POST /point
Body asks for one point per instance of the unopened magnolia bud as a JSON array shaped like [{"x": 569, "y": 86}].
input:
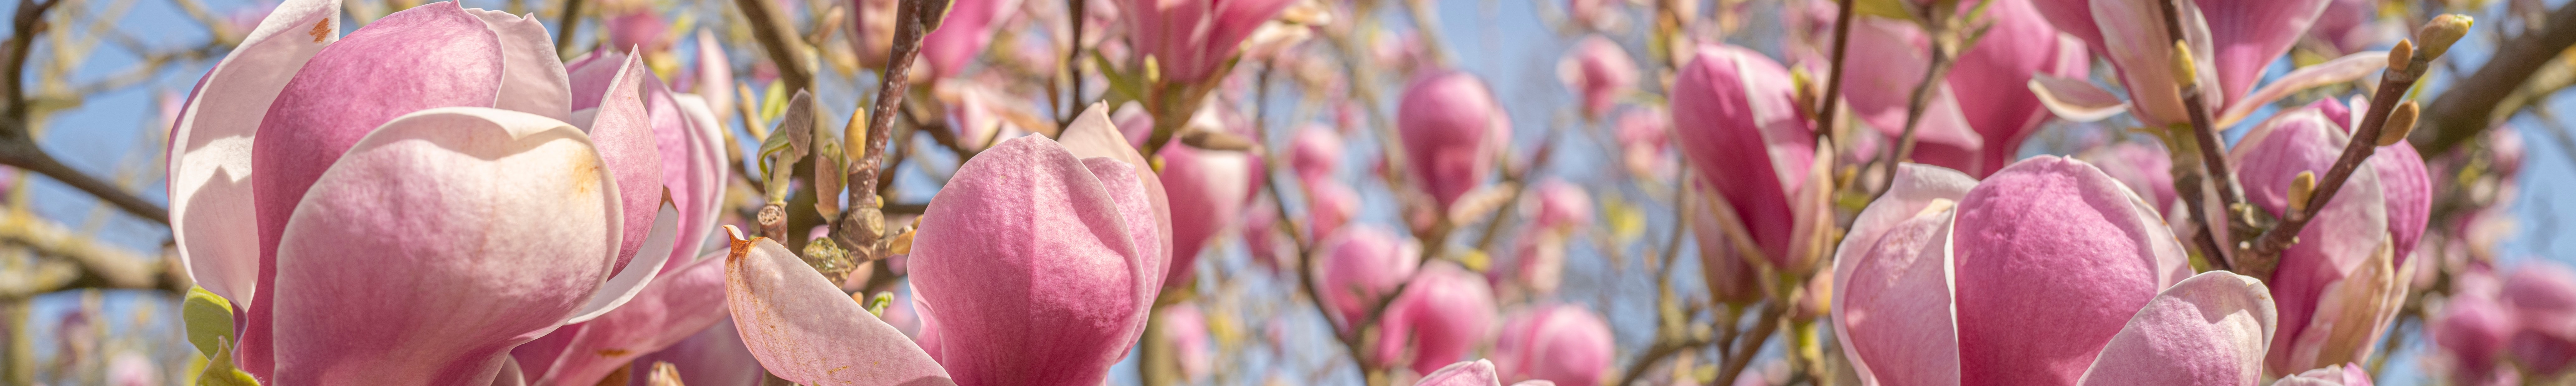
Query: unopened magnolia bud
[
  {"x": 2300, "y": 188},
  {"x": 2399, "y": 123},
  {"x": 2438, "y": 34},
  {"x": 2185, "y": 72},
  {"x": 2400, "y": 55}
]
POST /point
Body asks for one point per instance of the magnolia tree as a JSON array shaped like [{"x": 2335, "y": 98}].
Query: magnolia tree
[{"x": 1177, "y": 192}]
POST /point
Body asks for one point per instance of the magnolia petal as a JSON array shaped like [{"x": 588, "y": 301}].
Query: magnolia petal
[
  {"x": 2208, "y": 330},
  {"x": 1477, "y": 373},
  {"x": 509, "y": 375},
  {"x": 1893, "y": 307},
  {"x": 1207, "y": 189},
  {"x": 1890, "y": 64},
  {"x": 706, "y": 177},
  {"x": 2076, "y": 99},
  {"x": 713, "y": 357},
  {"x": 674, "y": 307},
  {"x": 715, "y": 77},
  {"x": 344, "y": 92},
  {"x": 2409, "y": 193},
  {"x": 2351, "y": 316},
  {"x": 2250, "y": 34},
  {"x": 2351, "y": 227},
  {"x": 2138, "y": 46},
  {"x": 532, "y": 77},
  {"x": 624, "y": 131},
  {"x": 1992, "y": 79},
  {"x": 2059, "y": 232},
  {"x": 1092, "y": 135},
  {"x": 210, "y": 146},
  {"x": 512, "y": 218},
  {"x": 1025, "y": 238},
  {"x": 2340, "y": 70},
  {"x": 804, "y": 330},
  {"x": 1730, "y": 122},
  {"x": 639, "y": 273}
]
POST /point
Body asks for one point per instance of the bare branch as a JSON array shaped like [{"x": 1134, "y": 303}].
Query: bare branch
[{"x": 2469, "y": 106}]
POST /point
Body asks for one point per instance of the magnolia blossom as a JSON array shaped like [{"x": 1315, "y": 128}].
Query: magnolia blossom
[
  {"x": 1072, "y": 229},
  {"x": 1362, "y": 265},
  {"x": 1982, "y": 109},
  {"x": 966, "y": 30},
  {"x": 2230, "y": 42},
  {"x": 1443, "y": 312},
  {"x": 389, "y": 159},
  {"x": 2471, "y": 329},
  {"x": 1555, "y": 211},
  {"x": 2339, "y": 287},
  {"x": 1599, "y": 70},
  {"x": 1452, "y": 131},
  {"x": 1189, "y": 40},
  {"x": 1315, "y": 153},
  {"x": 1741, "y": 128},
  {"x": 1644, "y": 142},
  {"x": 2542, "y": 300},
  {"x": 2046, "y": 273},
  {"x": 1565, "y": 344},
  {"x": 1207, "y": 190},
  {"x": 2335, "y": 375}
]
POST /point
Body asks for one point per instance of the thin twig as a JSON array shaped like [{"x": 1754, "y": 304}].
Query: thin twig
[
  {"x": 1742, "y": 355},
  {"x": 565, "y": 27},
  {"x": 2468, "y": 106},
  {"x": 2393, "y": 84},
  {"x": 778, "y": 37},
  {"x": 2205, "y": 136},
  {"x": 1834, "y": 77}
]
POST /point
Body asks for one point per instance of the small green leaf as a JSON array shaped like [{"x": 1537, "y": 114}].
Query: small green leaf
[
  {"x": 877, "y": 305},
  {"x": 210, "y": 320}
]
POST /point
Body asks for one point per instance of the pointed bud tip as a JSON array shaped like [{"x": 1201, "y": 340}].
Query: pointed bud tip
[
  {"x": 2438, "y": 34},
  {"x": 2400, "y": 123},
  {"x": 2185, "y": 71},
  {"x": 2399, "y": 56}
]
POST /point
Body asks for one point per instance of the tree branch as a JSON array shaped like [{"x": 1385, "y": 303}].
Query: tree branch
[{"x": 2469, "y": 106}]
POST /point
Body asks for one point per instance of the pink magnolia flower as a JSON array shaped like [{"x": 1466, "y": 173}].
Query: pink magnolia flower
[
  {"x": 1330, "y": 205},
  {"x": 1442, "y": 313},
  {"x": 2333, "y": 375},
  {"x": 2337, "y": 288},
  {"x": 1315, "y": 153},
  {"x": 2046, "y": 273},
  {"x": 1452, "y": 130},
  {"x": 470, "y": 101},
  {"x": 1185, "y": 327},
  {"x": 2542, "y": 300},
  {"x": 2472, "y": 328},
  {"x": 1075, "y": 242},
  {"x": 1190, "y": 39},
  {"x": 1644, "y": 140},
  {"x": 1554, "y": 211},
  {"x": 1361, "y": 266},
  {"x": 962, "y": 35},
  {"x": 1207, "y": 188},
  {"x": 1472, "y": 373},
  {"x": 1983, "y": 108},
  {"x": 638, "y": 29},
  {"x": 872, "y": 30},
  {"x": 1564, "y": 344},
  {"x": 2231, "y": 41},
  {"x": 1599, "y": 70},
  {"x": 685, "y": 300},
  {"x": 1742, "y": 131}
]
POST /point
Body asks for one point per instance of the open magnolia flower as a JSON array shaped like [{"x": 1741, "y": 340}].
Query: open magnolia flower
[
  {"x": 1982, "y": 109},
  {"x": 2342, "y": 284},
  {"x": 1035, "y": 265},
  {"x": 2046, "y": 273},
  {"x": 424, "y": 186},
  {"x": 2230, "y": 42}
]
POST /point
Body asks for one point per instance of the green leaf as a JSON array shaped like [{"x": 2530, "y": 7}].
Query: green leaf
[{"x": 210, "y": 320}]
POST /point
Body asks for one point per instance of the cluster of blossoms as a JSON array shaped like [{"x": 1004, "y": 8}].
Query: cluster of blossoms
[{"x": 439, "y": 198}]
